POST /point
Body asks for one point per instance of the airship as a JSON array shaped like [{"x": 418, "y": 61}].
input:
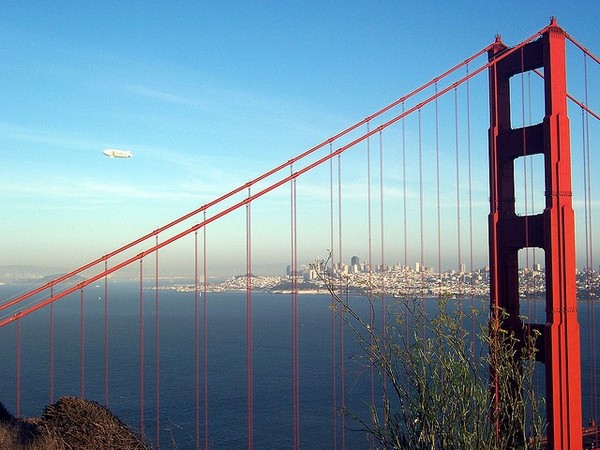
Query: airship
[{"x": 113, "y": 153}]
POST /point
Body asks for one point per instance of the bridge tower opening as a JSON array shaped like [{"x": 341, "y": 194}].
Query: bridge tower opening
[{"x": 553, "y": 229}]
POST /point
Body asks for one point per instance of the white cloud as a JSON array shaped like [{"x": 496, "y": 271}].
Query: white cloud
[
  {"x": 56, "y": 138},
  {"x": 161, "y": 95},
  {"x": 63, "y": 190}
]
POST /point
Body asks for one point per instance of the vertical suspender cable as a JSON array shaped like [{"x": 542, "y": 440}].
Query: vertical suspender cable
[
  {"x": 196, "y": 345},
  {"x": 437, "y": 167},
  {"x": 493, "y": 301},
  {"x": 460, "y": 264},
  {"x": 529, "y": 281},
  {"x": 532, "y": 179},
  {"x": 592, "y": 332},
  {"x": 294, "y": 300},
  {"x": 458, "y": 224},
  {"x": 470, "y": 176},
  {"x": 589, "y": 246},
  {"x": 18, "y": 370},
  {"x": 293, "y": 304},
  {"x": 157, "y": 347},
  {"x": 589, "y": 189},
  {"x": 333, "y": 304},
  {"x": 405, "y": 230},
  {"x": 205, "y": 334},
  {"x": 81, "y": 346},
  {"x": 532, "y": 203},
  {"x": 105, "y": 336},
  {"x": 470, "y": 172},
  {"x": 404, "y": 188},
  {"x": 250, "y": 394},
  {"x": 588, "y": 266},
  {"x": 370, "y": 279},
  {"x": 528, "y": 275},
  {"x": 293, "y": 286},
  {"x": 51, "y": 347},
  {"x": 382, "y": 229},
  {"x": 141, "y": 333},
  {"x": 297, "y": 327},
  {"x": 530, "y": 295},
  {"x": 421, "y": 221},
  {"x": 342, "y": 312},
  {"x": 530, "y": 291}
]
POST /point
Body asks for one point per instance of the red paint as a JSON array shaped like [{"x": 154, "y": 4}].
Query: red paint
[{"x": 553, "y": 230}]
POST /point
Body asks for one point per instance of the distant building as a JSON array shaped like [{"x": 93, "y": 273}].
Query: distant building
[{"x": 297, "y": 273}]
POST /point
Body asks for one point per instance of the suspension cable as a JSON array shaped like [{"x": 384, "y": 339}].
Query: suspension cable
[
  {"x": 342, "y": 310},
  {"x": 249, "y": 349},
  {"x": 384, "y": 333},
  {"x": 370, "y": 273},
  {"x": 196, "y": 344},
  {"x": 421, "y": 219},
  {"x": 81, "y": 346},
  {"x": 333, "y": 304},
  {"x": 51, "y": 349},
  {"x": 295, "y": 321},
  {"x": 437, "y": 176},
  {"x": 18, "y": 369},
  {"x": 157, "y": 346},
  {"x": 241, "y": 188},
  {"x": 106, "y": 337},
  {"x": 458, "y": 223},
  {"x": 141, "y": 337},
  {"x": 243, "y": 202},
  {"x": 205, "y": 333},
  {"x": 589, "y": 243}
]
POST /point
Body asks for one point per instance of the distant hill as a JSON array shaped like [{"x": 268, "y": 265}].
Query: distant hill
[{"x": 15, "y": 274}]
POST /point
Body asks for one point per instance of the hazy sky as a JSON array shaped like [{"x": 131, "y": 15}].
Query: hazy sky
[{"x": 206, "y": 95}]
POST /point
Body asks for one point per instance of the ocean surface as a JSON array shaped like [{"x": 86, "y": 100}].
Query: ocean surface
[{"x": 226, "y": 360}]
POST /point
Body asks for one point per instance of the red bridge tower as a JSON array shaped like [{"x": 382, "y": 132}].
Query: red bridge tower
[{"x": 553, "y": 230}]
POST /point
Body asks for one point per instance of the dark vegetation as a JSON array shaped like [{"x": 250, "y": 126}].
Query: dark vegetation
[{"x": 68, "y": 424}]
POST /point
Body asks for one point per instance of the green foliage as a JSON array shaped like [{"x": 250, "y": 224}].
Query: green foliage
[{"x": 454, "y": 380}]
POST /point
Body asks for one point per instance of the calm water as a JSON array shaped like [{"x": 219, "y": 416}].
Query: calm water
[
  {"x": 226, "y": 354},
  {"x": 227, "y": 394}
]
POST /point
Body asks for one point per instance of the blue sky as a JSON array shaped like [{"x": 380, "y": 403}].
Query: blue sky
[{"x": 206, "y": 95}]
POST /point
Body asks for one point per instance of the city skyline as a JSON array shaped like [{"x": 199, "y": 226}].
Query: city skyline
[{"x": 207, "y": 98}]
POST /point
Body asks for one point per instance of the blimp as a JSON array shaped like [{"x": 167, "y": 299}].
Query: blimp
[{"x": 113, "y": 153}]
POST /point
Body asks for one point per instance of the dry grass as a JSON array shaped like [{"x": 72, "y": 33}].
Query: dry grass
[{"x": 70, "y": 423}]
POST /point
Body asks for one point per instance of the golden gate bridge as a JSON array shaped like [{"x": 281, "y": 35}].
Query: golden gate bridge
[{"x": 402, "y": 186}]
